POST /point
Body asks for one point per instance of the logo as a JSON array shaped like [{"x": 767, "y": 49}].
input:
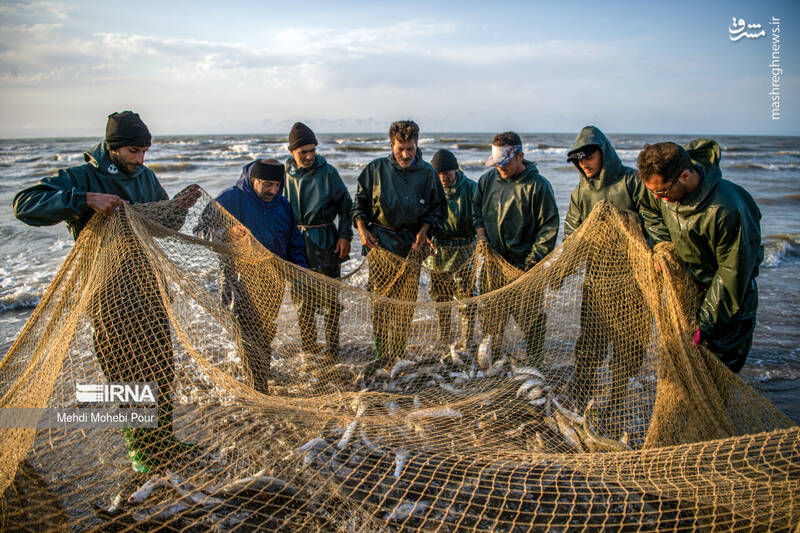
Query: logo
[
  {"x": 737, "y": 30},
  {"x": 116, "y": 393},
  {"x": 112, "y": 169}
]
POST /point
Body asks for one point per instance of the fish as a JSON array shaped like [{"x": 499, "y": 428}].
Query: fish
[
  {"x": 144, "y": 491},
  {"x": 368, "y": 443},
  {"x": 400, "y": 459},
  {"x": 455, "y": 357},
  {"x": 527, "y": 385},
  {"x": 185, "y": 489},
  {"x": 314, "y": 447},
  {"x": 348, "y": 434},
  {"x": 519, "y": 371},
  {"x": 497, "y": 368},
  {"x": 567, "y": 430},
  {"x": 450, "y": 389},
  {"x": 537, "y": 392},
  {"x": 595, "y": 442},
  {"x": 406, "y": 509},
  {"x": 435, "y": 412},
  {"x": 539, "y": 402},
  {"x": 380, "y": 374},
  {"x": 161, "y": 512},
  {"x": 485, "y": 353},
  {"x": 401, "y": 366}
]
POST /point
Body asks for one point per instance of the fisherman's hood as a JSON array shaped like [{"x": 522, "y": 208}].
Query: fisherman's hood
[
  {"x": 99, "y": 158},
  {"x": 246, "y": 186},
  {"x": 706, "y": 155},
  {"x": 612, "y": 165}
]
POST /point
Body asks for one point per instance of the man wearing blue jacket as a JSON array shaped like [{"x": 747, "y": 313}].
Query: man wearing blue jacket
[{"x": 254, "y": 291}]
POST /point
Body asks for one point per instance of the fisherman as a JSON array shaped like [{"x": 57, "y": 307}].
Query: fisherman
[
  {"x": 318, "y": 195},
  {"x": 131, "y": 332},
  {"x": 452, "y": 276},
  {"x": 515, "y": 211},
  {"x": 604, "y": 177},
  {"x": 254, "y": 290},
  {"x": 398, "y": 201},
  {"x": 715, "y": 227}
]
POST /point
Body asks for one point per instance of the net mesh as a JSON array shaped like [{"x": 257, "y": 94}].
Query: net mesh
[{"x": 563, "y": 398}]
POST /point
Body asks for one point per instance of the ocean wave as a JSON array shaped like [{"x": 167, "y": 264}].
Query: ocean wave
[
  {"x": 22, "y": 300},
  {"x": 789, "y": 199},
  {"x": 172, "y": 167},
  {"x": 794, "y": 153},
  {"x": 738, "y": 149},
  {"x": 780, "y": 248},
  {"x": 760, "y": 166},
  {"x": 360, "y": 148},
  {"x": 474, "y": 146}
]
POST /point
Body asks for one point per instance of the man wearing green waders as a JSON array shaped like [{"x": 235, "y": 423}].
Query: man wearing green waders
[
  {"x": 602, "y": 176},
  {"x": 399, "y": 200},
  {"x": 318, "y": 195},
  {"x": 131, "y": 334},
  {"x": 515, "y": 210},
  {"x": 715, "y": 226},
  {"x": 452, "y": 276}
]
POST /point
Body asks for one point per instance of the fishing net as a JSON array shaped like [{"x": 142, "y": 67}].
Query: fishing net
[{"x": 472, "y": 397}]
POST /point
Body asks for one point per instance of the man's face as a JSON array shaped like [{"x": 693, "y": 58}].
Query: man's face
[
  {"x": 669, "y": 191},
  {"x": 266, "y": 189},
  {"x": 448, "y": 178},
  {"x": 128, "y": 159},
  {"x": 514, "y": 167},
  {"x": 592, "y": 165},
  {"x": 404, "y": 152},
  {"x": 304, "y": 155}
]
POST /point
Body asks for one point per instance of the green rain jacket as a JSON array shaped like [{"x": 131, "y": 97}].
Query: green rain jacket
[
  {"x": 519, "y": 213},
  {"x": 317, "y": 195},
  {"x": 457, "y": 229},
  {"x": 63, "y": 197},
  {"x": 616, "y": 183},
  {"x": 716, "y": 231},
  {"x": 395, "y": 202}
]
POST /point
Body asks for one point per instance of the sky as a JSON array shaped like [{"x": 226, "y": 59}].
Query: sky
[{"x": 257, "y": 67}]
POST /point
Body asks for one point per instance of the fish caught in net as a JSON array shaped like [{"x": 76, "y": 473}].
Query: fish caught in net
[{"x": 568, "y": 397}]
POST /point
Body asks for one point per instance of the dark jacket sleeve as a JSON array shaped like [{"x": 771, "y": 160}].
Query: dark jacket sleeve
[
  {"x": 52, "y": 200},
  {"x": 546, "y": 213},
  {"x": 651, "y": 215},
  {"x": 737, "y": 256},
  {"x": 573, "y": 219},
  {"x": 296, "y": 251},
  {"x": 362, "y": 206},
  {"x": 477, "y": 205},
  {"x": 344, "y": 206}
]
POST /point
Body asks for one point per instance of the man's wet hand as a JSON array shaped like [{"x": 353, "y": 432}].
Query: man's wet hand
[
  {"x": 105, "y": 204},
  {"x": 188, "y": 196}
]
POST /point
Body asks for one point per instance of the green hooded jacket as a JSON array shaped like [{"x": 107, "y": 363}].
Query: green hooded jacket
[
  {"x": 616, "y": 183},
  {"x": 317, "y": 195},
  {"x": 457, "y": 229},
  {"x": 395, "y": 202},
  {"x": 519, "y": 214},
  {"x": 716, "y": 231},
  {"x": 63, "y": 197}
]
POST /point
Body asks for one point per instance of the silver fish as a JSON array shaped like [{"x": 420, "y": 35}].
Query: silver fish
[
  {"x": 435, "y": 412},
  {"x": 448, "y": 388},
  {"x": 401, "y": 366},
  {"x": 539, "y": 402},
  {"x": 536, "y": 393},
  {"x": 527, "y": 385},
  {"x": 144, "y": 491},
  {"x": 185, "y": 489},
  {"x": 348, "y": 434},
  {"x": 314, "y": 447},
  {"x": 527, "y": 370},
  {"x": 403, "y": 510},
  {"x": 455, "y": 357},
  {"x": 161, "y": 512},
  {"x": 400, "y": 459},
  {"x": 485, "y": 353}
]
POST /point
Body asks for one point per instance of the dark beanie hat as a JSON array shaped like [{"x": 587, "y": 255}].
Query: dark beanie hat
[
  {"x": 126, "y": 129},
  {"x": 301, "y": 135},
  {"x": 267, "y": 169},
  {"x": 444, "y": 160}
]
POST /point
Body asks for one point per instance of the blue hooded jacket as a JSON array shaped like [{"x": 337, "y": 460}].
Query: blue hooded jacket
[{"x": 272, "y": 223}]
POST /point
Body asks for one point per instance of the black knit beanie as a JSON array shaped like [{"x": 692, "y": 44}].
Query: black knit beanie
[
  {"x": 301, "y": 135},
  {"x": 126, "y": 129},
  {"x": 444, "y": 160},
  {"x": 267, "y": 169}
]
